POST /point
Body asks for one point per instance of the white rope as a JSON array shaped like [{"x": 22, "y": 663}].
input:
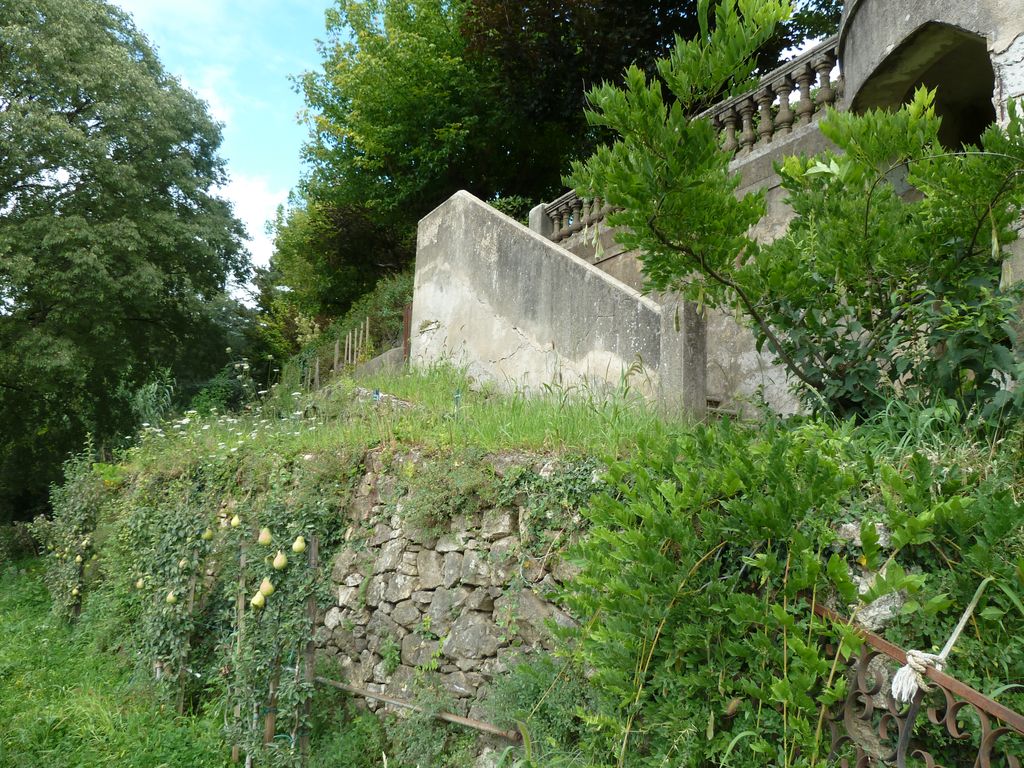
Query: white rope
[{"x": 910, "y": 678}]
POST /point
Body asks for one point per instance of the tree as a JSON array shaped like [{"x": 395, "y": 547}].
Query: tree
[
  {"x": 547, "y": 55},
  {"x": 112, "y": 243},
  {"x": 869, "y": 296}
]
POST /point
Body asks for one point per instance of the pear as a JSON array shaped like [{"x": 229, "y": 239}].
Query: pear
[
  {"x": 265, "y": 538},
  {"x": 207, "y": 534},
  {"x": 182, "y": 563},
  {"x": 74, "y": 592},
  {"x": 236, "y": 521},
  {"x": 258, "y": 601},
  {"x": 266, "y": 588},
  {"x": 171, "y": 598},
  {"x": 78, "y": 558},
  {"x": 281, "y": 561},
  {"x": 139, "y": 584},
  {"x": 299, "y": 545}
]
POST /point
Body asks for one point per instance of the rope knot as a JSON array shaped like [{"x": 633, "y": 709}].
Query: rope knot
[{"x": 909, "y": 679}]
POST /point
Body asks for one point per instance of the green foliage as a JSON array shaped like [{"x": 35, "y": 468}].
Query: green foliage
[
  {"x": 358, "y": 741},
  {"x": 16, "y": 543},
  {"x": 702, "y": 567},
  {"x": 385, "y": 308},
  {"x": 887, "y": 283},
  {"x": 112, "y": 245},
  {"x": 446, "y": 487},
  {"x": 68, "y": 535},
  {"x": 63, "y": 702},
  {"x": 418, "y": 739},
  {"x": 543, "y": 697}
]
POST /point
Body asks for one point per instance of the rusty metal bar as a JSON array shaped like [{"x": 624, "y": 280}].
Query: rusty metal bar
[
  {"x": 1013, "y": 719},
  {"x": 448, "y": 717}
]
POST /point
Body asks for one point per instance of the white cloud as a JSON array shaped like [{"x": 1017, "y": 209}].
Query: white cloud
[{"x": 255, "y": 203}]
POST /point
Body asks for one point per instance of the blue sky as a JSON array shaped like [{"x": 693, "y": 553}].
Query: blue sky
[{"x": 238, "y": 55}]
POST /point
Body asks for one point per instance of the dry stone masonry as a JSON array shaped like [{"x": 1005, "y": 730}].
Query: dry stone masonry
[{"x": 458, "y": 604}]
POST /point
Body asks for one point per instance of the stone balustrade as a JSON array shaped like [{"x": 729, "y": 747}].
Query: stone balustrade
[
  {"x": 794, "y": 95},
  {"x": 570, "y": 214}
]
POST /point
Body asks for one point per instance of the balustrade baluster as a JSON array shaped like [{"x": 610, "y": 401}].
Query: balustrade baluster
[
  {"x": 728, "y": 119},
  {"x": 826, "y": 94},
  {"x": 805, "y": 108},
  {"x": 784, "y": 120},
  {"x": 765, "y": 123},
  {"x": 747, "y": 137},
  {"x": 577, "y": 211},
  {"x": 563, "y": 229}
]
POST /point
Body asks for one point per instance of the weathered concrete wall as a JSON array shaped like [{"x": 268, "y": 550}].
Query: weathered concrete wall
[
  {"x": 873, "y": 30},
  {"x": 460, "y": 606},
  {"x": 513, "y": 307}
]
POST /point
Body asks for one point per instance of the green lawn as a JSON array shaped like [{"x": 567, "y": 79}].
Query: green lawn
[{"x": 64, "y": 704}]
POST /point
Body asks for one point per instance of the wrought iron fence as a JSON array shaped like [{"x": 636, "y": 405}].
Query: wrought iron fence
[{"x": 869, "y": 728}]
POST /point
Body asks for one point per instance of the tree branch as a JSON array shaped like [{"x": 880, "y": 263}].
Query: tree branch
[{"x": 748, "y": 305}]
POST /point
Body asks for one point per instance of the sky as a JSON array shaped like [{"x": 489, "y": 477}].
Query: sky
[{"x": 238, "y": 55}]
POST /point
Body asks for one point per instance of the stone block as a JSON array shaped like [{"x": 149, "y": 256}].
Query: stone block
[
  {"x": 332, "y": 618},
  {"x": 497, "y": 524},
  {"x": 480, "y": 600},
  {"x": 390, "y": 556},
  {"x": 462, "y": 685},
  {"x": 475, "y": 570},
  {"x": 418, "y": 650},
  {"x": 472, "y": 636},
  {"x": 375, "y": 590},
  {"x": 406, "y": 613},
  {"x": 344, "y": 564},
  {"x": 429, "y": 566},
  {"x": 348, "y": 597},
  {"x": 399, "y": 587},
  {"x": 451, "y": 569},
  {"x": 453, "y": 542},
  {"x": 381, "y": 533}
]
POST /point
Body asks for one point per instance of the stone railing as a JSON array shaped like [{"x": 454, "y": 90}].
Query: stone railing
[
  {"x": 746, "y": 122},
  {"x": 756, "y": 118},
  {"x": 570, "y": 213}
]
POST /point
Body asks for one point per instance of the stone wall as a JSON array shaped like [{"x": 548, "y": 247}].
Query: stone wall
[
  {"x": 456, "y": 605},
  {"x": 516, "y": 309}
]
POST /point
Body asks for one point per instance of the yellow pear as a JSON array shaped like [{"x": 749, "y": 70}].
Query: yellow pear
[
  {"x": 207, "y": 534},
  {"x": 236, "y": 521},
  {"x": 258, "y": 601},
  {"x": 281, "y": 561},
  {"x": 171, "y": 598},
  {"x": 299, "y": 545},
  {"x": 265, "y": 538},
  {"x": 266, "y": 588}
]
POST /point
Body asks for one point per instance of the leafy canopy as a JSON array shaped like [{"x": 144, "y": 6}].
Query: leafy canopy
[
  {"x": 112, "y": 243},
  {"x": 888, "y": 280}
]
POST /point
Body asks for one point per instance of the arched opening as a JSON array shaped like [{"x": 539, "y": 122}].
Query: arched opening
[{"x": 953, "y": 61}]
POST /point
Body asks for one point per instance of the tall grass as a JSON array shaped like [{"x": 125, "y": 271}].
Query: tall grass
[{"x": 64, "y": 704}]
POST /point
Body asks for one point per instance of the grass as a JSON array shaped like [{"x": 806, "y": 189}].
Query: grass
[
  {"x": 64, "y": 704},
  {"x": 442, "y": 409}
]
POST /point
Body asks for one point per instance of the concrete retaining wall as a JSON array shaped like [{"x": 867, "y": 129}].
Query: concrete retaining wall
[{"x": 514, "y": 308}]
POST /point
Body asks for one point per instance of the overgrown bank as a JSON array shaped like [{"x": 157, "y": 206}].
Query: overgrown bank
[{"x": 706, "y": 550}]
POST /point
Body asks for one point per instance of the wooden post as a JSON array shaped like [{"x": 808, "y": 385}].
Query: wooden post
[
  {"x": 240, "y": 626},
  {"x": 270, "y": 723},
  {"x": 316, "y": 374},
  {"x": 407, "y": 332},
  {"x": 337, "y": 345},
  {"x": 185, "y": 648},
  {"x": 348, "y": 338},
  {"x": 310, "y": 652},
  {"x": 366, "y": 336}
]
